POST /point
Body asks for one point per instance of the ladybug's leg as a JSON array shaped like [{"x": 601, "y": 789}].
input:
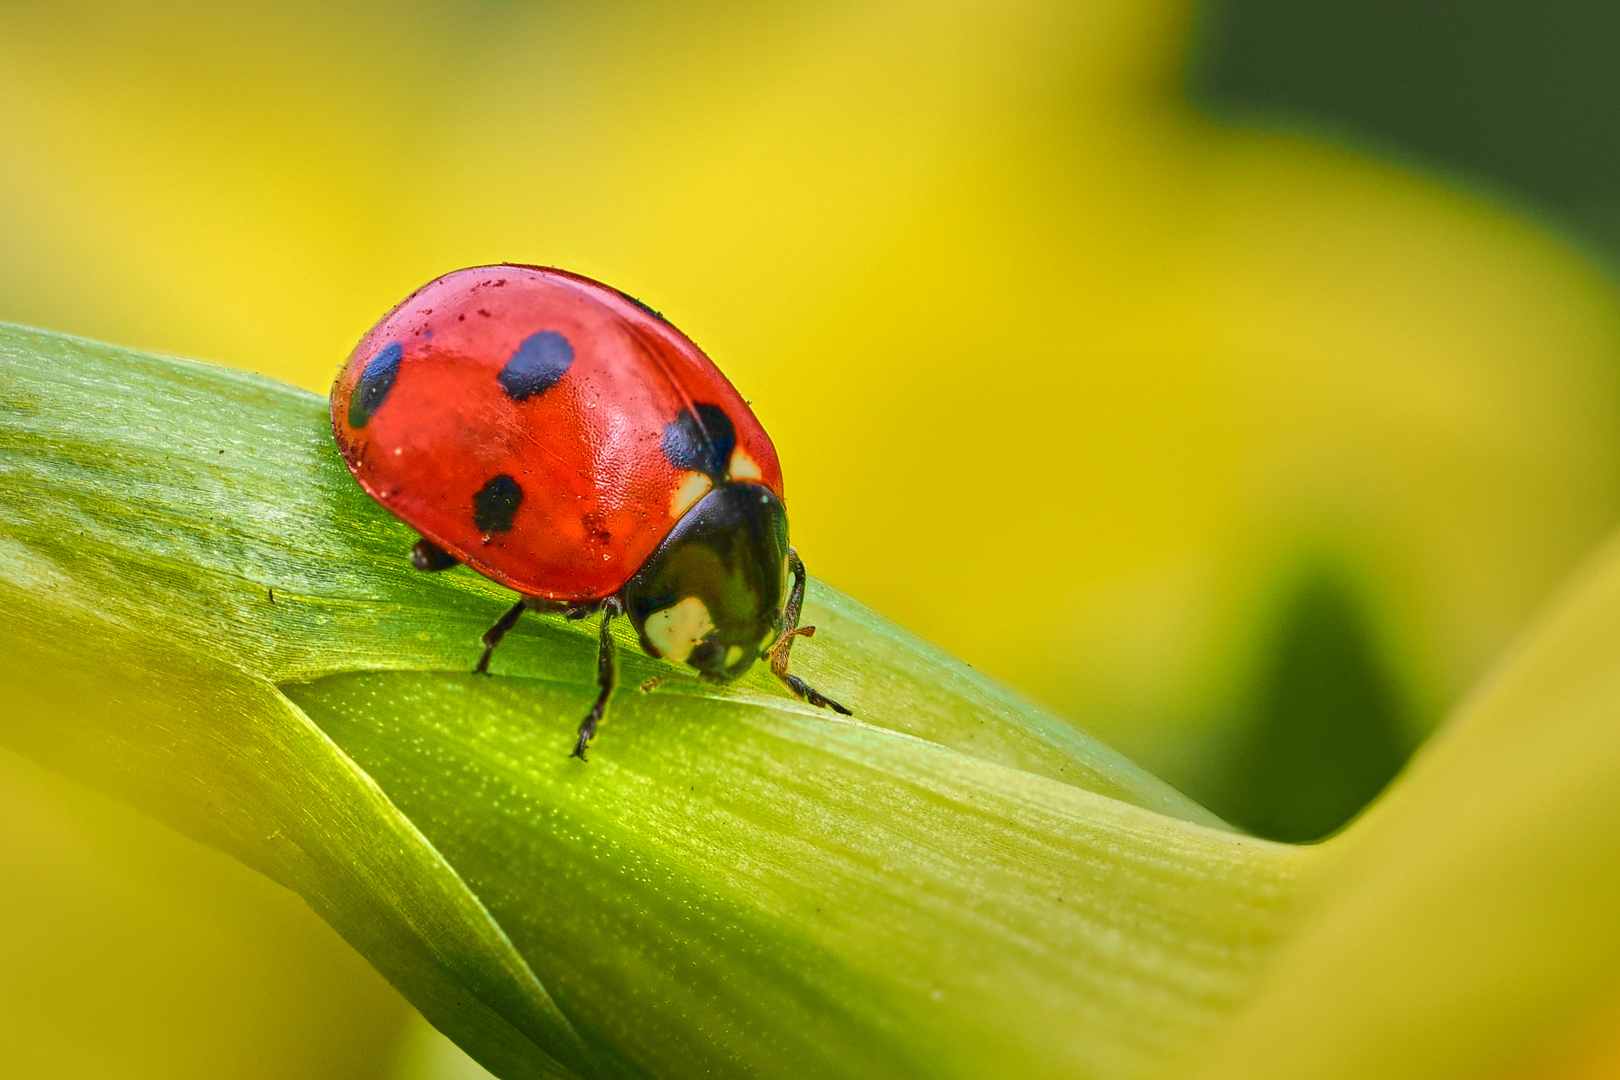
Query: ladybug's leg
[
  {"x": 607, "y": 675},
  {"x": 431, "y": 558},
  {"x": 791, "y": 630},
  {"x": 492, "y": 636}
]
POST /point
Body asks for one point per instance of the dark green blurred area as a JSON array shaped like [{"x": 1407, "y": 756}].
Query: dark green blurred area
[
  {"x": 1518, "y": 100},
  {"x": 1519, "y": 97},
  {"x": 1326, "y": 726}
]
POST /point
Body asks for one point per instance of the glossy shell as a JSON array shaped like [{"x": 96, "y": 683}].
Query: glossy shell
[{"x": 543, "y": 428}]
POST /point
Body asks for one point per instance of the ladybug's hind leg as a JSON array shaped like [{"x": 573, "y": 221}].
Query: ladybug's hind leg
[
  {"x": 493, "y": 636},
  {"x": 792, "y": 629},
  {"x": 430, "y": 558},
  {"x": 607, "y": 675}
]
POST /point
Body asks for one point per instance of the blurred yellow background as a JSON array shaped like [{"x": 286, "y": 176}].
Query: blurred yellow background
[
  {"x": 128, "y": 952},
  {"x": 1169, "y": 426}
]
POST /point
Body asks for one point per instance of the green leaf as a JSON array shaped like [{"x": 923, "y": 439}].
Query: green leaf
[{"x": 204, "y": 615}]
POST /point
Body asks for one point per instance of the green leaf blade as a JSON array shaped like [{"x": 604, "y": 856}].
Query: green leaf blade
[
  {"x": 184, "y": 548},
  {"x": 791, "y": 896}
]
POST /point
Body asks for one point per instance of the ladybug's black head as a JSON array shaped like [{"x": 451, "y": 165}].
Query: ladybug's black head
[{"x": 712, "y": 593}]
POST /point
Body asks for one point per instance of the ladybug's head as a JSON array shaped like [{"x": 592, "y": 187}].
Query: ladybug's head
[{"x": 712, "y": 593}]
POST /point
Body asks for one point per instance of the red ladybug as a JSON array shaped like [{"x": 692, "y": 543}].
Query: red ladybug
[{"x": 563, "y": 439}]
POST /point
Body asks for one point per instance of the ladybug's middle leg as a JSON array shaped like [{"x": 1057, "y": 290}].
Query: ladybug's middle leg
[
  {"x": 607, "y": 675},
  {"x": 492, "y": 636},
  {"x": 790, "y": 630}
]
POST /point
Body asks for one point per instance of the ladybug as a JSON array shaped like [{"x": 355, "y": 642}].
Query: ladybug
[{"x": 565, "y": 440}]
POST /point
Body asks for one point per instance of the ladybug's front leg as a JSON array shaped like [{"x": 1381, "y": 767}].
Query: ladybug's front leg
[
  {"x": 791, "y": 630},
  {"x": 607, "y": 675}
]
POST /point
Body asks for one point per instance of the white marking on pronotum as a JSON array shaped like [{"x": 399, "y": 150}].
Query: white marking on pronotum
[
  {"x": 743, "y": 467},
  {"x": 691, "y": 489},
  {"x": 733, "y": 654},
  {"x": 676, "y": 630}
]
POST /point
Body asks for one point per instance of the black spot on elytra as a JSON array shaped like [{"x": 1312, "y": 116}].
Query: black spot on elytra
[
  {"x": 701, "y": 438},
  {"x": 496, "y": 504},
  {"x": 537, "y": 365},
  {"x": 375, "y": 381}
]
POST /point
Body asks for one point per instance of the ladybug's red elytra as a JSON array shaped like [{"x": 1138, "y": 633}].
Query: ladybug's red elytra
[{"x": 563, "y": 439}]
